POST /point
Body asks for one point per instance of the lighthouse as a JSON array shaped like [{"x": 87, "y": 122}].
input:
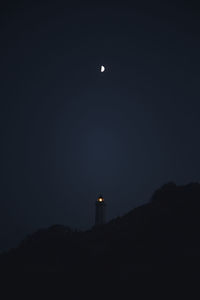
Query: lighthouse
[{"x": 100, "y": 216}]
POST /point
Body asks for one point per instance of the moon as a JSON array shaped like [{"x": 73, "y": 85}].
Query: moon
[{"x": 102, "y": 69}]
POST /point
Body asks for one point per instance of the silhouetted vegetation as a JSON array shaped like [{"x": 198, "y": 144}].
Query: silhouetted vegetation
[{"x": 162, "y": 235}]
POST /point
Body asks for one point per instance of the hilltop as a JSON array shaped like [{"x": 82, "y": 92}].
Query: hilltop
[{"x": 162, "y": 235}]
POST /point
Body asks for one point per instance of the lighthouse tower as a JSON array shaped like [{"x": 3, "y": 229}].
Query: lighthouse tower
[{"x": 100, "y": 216}]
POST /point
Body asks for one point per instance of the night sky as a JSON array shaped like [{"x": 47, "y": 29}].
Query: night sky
[{"x": 70, "y": 132}]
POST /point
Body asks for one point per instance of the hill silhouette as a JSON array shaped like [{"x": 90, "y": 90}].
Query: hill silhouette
[{"x": 162, "y": 235}]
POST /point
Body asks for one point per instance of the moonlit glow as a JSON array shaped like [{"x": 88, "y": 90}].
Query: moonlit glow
[{"x": 102, "y": 69}]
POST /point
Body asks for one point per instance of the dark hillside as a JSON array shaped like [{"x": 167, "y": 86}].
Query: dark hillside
[{"x": 162, "y": 235}]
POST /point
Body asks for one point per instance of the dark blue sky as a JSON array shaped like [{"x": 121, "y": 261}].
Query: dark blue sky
[{"x": 69, "y": 132}]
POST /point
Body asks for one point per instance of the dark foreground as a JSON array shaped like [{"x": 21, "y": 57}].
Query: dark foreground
[{"x": 161, "y": 236}]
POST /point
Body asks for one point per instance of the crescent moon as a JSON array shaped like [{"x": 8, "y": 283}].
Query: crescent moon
[{"x": 102, "y": 69}]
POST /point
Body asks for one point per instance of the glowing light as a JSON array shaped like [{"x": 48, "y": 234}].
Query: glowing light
[{"x": 100, "y": 199}]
